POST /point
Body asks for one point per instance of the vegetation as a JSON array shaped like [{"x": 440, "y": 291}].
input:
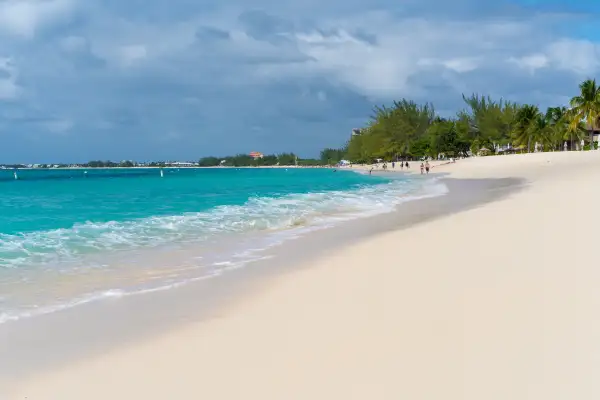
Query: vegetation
[
  {"x": 407, "y": 130},
  {"x": 245, "y": 160}
]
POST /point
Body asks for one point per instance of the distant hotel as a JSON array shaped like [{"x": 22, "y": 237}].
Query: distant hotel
[{"x": 356, "y": 131}]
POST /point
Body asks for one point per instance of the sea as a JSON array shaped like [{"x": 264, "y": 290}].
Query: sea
[{"x": 73, "y": 236}]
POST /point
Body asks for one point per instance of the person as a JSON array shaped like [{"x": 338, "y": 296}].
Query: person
[
  {"x": 401, "y": 164},
  {"x": 393, "y": 165},
  {"x": 371, "y": 171},
  {"x": 422, "y": 168},
  {"x": 407, "y": 166},
  {"x": 427, "y": 166}
]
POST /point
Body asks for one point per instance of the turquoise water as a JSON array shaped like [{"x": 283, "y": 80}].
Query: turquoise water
[{"x": 73, "y": 235}]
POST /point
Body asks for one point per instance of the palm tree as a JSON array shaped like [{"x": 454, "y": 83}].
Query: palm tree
[
  {"x": 540, "y": 129},
  {"x": 559, "y": 123},
  {"x": 523, "y": 130},
  {"x": 586, "y": 107}
]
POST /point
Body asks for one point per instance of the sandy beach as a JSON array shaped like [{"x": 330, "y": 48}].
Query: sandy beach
[{"x": 498, "y": 301}]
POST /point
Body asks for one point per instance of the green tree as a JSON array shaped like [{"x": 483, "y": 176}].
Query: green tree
[
  {"x": 586, "y": 107},
  {"x": 209, "y": 161},
  {"x": 332, "y": 156},
  {"x": 522, "y": 132},
  {"x": 443, "y": 137}
]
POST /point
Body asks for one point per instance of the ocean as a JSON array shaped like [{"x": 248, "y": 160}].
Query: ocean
[{"x": 69, "y": 237}]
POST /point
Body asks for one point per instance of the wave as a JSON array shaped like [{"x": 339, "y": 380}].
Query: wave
[
  {"x": 257, "y": 214},
  {"x": 274, "y": 220}
]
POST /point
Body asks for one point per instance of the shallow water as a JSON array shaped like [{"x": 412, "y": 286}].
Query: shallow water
[{"x": 68, "y": 237}]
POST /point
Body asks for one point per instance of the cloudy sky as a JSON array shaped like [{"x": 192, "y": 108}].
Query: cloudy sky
[{"x": 180, "y": 79}]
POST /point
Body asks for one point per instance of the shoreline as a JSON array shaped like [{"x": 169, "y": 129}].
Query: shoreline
[
  {"x": 473, "y": 290},
  {"x": 174, "y": 262},
  {"x": 216, "y": 293}
]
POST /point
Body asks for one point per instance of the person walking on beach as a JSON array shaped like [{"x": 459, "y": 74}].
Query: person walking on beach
[
  {"x": 407, "y": 166},
  {"x": 427, "y": 167},
  {"x": 422, "y": 168}
]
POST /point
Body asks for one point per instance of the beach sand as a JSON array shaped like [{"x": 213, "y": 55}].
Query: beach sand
[{"x": 498, "y": 301}]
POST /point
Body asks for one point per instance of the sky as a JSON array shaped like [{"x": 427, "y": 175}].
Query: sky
[{"x": 180, "y": 79}]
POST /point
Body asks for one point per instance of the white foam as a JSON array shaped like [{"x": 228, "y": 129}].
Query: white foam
[{"x": 282, "y": 219}]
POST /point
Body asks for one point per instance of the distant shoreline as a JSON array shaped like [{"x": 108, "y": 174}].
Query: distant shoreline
[{"x": 173, "y": 167}]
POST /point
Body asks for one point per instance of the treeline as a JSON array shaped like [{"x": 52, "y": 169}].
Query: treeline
[
  {"x": 245, "y": 160},
  {"x": 407, "y": 130},
  {"x": 327, "y": 157}
]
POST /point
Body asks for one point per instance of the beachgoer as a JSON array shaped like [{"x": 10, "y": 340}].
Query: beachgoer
[
  {"x": 422, "y": 168},
  {"x": 427, "y": 166},
  {"x": 407, "y": 166},
  {"x": 393, "y": 165}
]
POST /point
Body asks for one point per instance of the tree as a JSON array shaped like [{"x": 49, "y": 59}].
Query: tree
[
  {"x": 332, "y": 156},
  {"x": 522, "y": 131},
  {"x": 209, "y": 162},
  {"x": 443, "y": 137},
  {"x": 586, "y": 107},
  {"x": 287, "y": 159}
]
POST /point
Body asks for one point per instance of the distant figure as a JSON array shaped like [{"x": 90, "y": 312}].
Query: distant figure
[
  {"x": 384, "y": 167},
  {"x": 427, "y": 166},
  {"x": 401, "y": 164},
  {"x": 407, "y": 166},
  {"x": 422, "y": 168},
  {"x": 371, "y": 170},
  {"x": 393, "y": 165}
]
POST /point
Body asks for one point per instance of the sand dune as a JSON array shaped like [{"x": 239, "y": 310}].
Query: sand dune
[{"x": 498, "y": 302}]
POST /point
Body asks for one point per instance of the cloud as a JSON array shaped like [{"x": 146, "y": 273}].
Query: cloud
[
  {"x": 25, "y": 17},
  {"x": 132, "y": 53},
  {"x": 9, "y": 89},
  {"x": 199, "y": 75}
]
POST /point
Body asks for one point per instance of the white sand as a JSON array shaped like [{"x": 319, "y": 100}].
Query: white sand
[{"x": 504, "y": 304}]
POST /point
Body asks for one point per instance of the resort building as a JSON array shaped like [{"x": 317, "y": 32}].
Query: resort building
[
  {"x": 593, "y": 132},
  {"x": 183, "y": 164}
]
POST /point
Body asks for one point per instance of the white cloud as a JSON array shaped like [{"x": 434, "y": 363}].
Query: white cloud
[
  {"x": 460, "y": 65},
  {"x": 131, "y": 54},
  {"x": 25, "y": 17},
  {"x": 580, "y": 56},
  {"x": 407, "y": 48},
  {"x": 531, "y": 62}
]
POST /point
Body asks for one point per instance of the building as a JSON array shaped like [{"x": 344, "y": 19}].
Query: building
[
  {"x": 356, "y": 131},
  {"x": 183, "y": 164},
  {"x": 593, "y": 132},
  {"x": 256, "y": 155}
]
